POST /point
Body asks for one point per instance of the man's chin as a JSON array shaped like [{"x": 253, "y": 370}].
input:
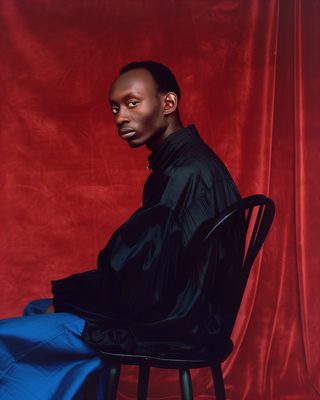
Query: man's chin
[{"x": 134, "y": 144}]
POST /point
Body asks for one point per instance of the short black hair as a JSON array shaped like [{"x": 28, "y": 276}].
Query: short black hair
[{"x": 164, "y": 79}]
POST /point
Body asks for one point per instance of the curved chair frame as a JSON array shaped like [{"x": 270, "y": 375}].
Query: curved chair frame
[{"x": 253, "y": 227}]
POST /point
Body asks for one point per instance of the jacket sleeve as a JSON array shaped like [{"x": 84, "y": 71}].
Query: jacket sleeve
[{"x": 135, "y": 269}]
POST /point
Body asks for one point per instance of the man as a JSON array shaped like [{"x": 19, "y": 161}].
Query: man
[
  {"x": 144, "y": 296},
  {"x": 136, "y": 290}
]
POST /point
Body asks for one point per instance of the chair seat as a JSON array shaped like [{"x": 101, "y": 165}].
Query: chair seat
[{"x": 165, "y": 363}]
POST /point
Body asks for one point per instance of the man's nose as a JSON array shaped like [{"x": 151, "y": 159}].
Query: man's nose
[{"x": 121, "y": 117}]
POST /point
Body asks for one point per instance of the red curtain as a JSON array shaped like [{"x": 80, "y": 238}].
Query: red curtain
[{"x": 249, "y": 74}]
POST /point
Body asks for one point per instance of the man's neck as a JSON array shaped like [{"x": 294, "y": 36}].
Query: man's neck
[{"x": 155, "y": 145}]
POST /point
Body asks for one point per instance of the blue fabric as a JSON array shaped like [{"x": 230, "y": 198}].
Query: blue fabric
[{"x": 43, "y": 356}]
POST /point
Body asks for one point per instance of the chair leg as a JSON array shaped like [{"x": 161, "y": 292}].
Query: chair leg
[
  {"x": 218, "y": 381},
  {"x": 144, "y": 371},
  {"x": 185, "y": 384},
  {"x": 90, "y": 391},
  {"x": 113, "y": 381}
]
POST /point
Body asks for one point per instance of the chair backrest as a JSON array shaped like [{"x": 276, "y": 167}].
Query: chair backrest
[{"x": 226, "y": 249}]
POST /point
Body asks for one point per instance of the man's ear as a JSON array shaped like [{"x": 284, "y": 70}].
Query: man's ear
[{"x": 171, "y": 103}]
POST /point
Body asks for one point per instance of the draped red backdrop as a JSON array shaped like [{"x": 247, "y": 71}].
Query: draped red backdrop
[{"x": 249, "y": 73}]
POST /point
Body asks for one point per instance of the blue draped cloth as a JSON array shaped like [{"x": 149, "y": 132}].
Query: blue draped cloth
[{"x": 43, "y": 356}]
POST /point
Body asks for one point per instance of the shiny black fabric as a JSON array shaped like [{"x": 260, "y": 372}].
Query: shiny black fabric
[{"x": 143, "y": 298}]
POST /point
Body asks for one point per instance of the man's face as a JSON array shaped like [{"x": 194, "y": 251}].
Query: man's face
[{"x": 138, "y": 109}]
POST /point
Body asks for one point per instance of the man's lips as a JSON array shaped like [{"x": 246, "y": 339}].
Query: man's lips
[{"x": 126, "y": 133}]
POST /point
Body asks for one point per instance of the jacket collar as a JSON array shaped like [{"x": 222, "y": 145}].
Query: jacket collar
[{"x": 173, "y": 144}]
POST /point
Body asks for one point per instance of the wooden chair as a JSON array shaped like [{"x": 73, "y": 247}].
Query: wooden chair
[{"x": 247, "y": 223}]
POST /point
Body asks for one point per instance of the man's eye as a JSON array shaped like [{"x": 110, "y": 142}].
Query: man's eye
[
  {"x": 114, "y": 110},
  {"x": 132, "y": 103}
]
